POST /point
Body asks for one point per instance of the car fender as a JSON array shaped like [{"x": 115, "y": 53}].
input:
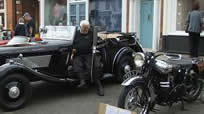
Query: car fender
[
  {"x": 119, "y": 54},
  {"x": 10, "y": 68},
  {"x": 132, "y": 81}
]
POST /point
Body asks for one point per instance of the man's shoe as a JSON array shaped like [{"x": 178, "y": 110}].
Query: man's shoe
[
  {"x": 100, "y": 91},
  {"x": 82, "y": 84}
]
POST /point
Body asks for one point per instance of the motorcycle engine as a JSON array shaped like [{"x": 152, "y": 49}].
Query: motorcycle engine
[{"x": 170, "y": 86}]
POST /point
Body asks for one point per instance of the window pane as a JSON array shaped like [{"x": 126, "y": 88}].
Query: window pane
[
  {"x": 81, "y": 18},
  {"x": 73, "y": 10},
  {"x": 73, "y": 20},
  {"x": 2, "y": 19},
  {"x": 106, "y": 14},
  {"x": 183, "y": 8},
  {"x": 1, "y": 4},
  {"x": 56, "y": 12},
  {"x": 82, "y": 9}
]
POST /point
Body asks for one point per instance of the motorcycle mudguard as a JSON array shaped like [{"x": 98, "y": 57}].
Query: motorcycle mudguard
[{"x": 132, "y": 81}]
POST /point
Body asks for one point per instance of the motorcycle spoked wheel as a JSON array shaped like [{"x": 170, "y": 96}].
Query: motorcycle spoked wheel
[
  {"x": 194, "y": 92},
  {"x": 134, "y": 98}
]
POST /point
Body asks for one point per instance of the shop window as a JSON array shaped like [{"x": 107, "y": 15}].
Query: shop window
[
  {"x": 1, "y": 4},
  {"x": 2, "y": 19},
  {"x": 77, "y": 12},
  {"x": 56, "y": 12},
  {"x": 106, "y": 14},
  {"x": 183, "y": 8}
]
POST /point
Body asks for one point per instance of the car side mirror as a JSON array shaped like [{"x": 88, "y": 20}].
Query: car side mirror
[{"x": 43, "y": 30}]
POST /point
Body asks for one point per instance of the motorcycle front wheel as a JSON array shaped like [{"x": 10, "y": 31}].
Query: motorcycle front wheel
[{"x": 134, "y": 98}]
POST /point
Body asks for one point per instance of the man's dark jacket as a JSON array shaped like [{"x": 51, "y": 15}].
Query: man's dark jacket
[
  {"x": 83, "y": 43},
  {"x": 20, "y": 30}
]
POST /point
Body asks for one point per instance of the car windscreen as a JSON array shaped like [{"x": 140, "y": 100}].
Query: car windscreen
[
  {"x": 59, "y": 33},
  {"x": 18, "y": 40}
]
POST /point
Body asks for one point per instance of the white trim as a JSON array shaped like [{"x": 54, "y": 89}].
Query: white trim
[
  {"x": 124, "y": 15},
  {"x": 181, "y": 33},
  {"x": 135, "y": 16},
  {"x": 5, "y": 15},
  {"x": 87, "y": 9},
  {"x": 156, "y": 25},
  {"x": 42, "y": 13}
]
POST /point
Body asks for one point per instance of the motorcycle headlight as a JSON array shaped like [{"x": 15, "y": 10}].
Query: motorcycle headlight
[{"x": 139, "y": 60}]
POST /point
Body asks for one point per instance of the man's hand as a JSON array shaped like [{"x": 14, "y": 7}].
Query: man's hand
[
  {"x": 72, "y": 56},
  {"x": 73, "y": 50}
]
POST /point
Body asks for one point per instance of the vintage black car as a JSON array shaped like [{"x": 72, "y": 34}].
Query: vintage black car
[{"x": 23, "y": 62}]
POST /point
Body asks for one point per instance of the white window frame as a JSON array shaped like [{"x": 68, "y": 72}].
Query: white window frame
[
  {"x": 5, "y": 13},
  {"x": 170, "y": 19},
  {"x": 77, "y": 1}
]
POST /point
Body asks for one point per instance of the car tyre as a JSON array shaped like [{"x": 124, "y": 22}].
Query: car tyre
[
  {"x": 15, "y": 91},
  {"x": 124, "y": 61}
]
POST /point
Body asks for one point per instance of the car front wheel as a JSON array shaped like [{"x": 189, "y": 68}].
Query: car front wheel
[
  {"x": 15, "y": 91},
  {"x": 126, "y": 64}
]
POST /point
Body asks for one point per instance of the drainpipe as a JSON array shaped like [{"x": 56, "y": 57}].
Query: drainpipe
[
  {"x": 127, "y": 16},
  {"x": 162, "y": 24}
]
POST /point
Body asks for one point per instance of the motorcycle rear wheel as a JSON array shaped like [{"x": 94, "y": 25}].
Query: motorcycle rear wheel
[{"x": 194, "y": 94}]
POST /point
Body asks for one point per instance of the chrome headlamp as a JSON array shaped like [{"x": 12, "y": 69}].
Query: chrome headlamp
[{"x": 139, "y": 60}]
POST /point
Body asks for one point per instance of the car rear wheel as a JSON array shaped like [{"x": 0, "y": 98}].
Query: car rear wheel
[
  {"x": 15, "y": 91},
  {"x": 126, "y": 64}
]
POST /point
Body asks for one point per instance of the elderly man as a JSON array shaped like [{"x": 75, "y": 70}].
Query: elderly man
[{"x": 83, "y": 53}]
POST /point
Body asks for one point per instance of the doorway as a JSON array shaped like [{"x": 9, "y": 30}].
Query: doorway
[
  {"x": 146, "y": 27},
  {"x": 30, "y": 6}
]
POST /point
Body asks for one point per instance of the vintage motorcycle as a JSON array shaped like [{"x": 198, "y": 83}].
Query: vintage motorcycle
[{"x": 162, "y": 79}]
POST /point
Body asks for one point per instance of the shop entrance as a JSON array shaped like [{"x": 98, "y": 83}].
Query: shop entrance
[
  {"x": 30, "y": 6},
  {"x": 146, "y": 28}
]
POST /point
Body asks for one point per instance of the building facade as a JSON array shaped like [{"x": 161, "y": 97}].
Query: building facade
[
  {"x": 104, "y": 13},
  {"x": 14, "y": 9},
  {"x": 174, "y": 17},
  {"x": 141, "y": 16}
]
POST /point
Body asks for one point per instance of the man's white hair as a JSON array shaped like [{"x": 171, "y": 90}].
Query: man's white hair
[{"x": 84, "y": 23}]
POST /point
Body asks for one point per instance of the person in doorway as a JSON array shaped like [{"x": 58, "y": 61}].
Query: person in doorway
[
  {"x": 30, "y": 25},
  {"x": 20, "y": 29},
  {"x": 194, "y": 22},
  {"x": 83, "y": 56}
]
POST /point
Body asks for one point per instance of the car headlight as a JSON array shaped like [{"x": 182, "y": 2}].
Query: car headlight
[{"x": 139, "y": 60}]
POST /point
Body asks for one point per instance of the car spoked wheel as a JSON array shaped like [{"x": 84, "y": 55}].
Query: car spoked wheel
[
  {"x": 15, "y": 90},
  {"x": 126, "y": 64}
]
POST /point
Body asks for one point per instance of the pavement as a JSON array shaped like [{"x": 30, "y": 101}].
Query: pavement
[{"x": 60, "y": 99}]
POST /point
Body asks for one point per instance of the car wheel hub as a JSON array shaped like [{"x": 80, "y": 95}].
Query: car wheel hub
[
  {"x": 14, "y": 92},
  {"x": 127, "y": 68}
]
